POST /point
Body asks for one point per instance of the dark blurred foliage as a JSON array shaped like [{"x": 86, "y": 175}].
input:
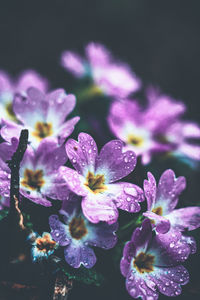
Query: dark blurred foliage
[{"x": 161, "y": 42}]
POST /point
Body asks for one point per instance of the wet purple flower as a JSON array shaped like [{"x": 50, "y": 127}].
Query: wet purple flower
[
  {"x": 95, "y": 176},
  {"x": 157, "y": 128},
  {"x": 43, "y": 115},
  {"x": 77, "y": 234},
  {"x": 151, "y": 267},
  {"x": 38, "y": 171},
  {"x": 161, "y": 203},
  {"x": 9, "y": 87},
  {"x": 111, "y": 77}
]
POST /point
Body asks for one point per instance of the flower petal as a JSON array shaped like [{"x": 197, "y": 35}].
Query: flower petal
[
  {"x": 99, "y": 208},
  {"x": 150, "y": 190},
  {"x": 187, "y": 218},
  {"x": 162, "y": 224},
  {"x": 117, "y": 163},
  {"x": 74, "y": 181},
  {"x": 77, "y": 255},
  {"x": 169, "y": 189},
  {"x": 126, "y": 196},
  {"x": 83, "y": 153},
  {"x": 58, "y": 231}
]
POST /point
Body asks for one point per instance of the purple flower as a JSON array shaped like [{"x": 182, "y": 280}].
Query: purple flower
[
  {"x": 157, "y": 128},
  {"x": 77, "y": 234},
  {"x": 95, "y": 176},
  {"x": 43, "y": 115},
  {"x": 38, "y": 171},
  {"x": 9, "y": 87},
  {"x": 161, "y": 203},
  {"x": 112, "y": 78},
  {"x": 151, "y": 267}
]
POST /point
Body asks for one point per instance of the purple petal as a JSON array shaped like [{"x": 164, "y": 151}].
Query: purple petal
[
  {"x": 74, "y": 181},
  {"x": 138, "y": 287},
  {"x": 9, "y": 130},
  {"x": 83, "y": 153},
  {"x": 97, "y": 54},
  {"x": 60, "y": 106},
  {"x": 7, "y": 149},
  {"x": 170, "y": 248},
  {"x": 30, "y": 78},
  {"x": 5, "y": 82},
  {"x": 126, "y": 196},
  {"x": 187, "y": 218},
  {"x": 142, "y": 236},
  {"x": 66, "y": 129},
  {"x": 99, "y": 208},
  {"x": 73, "y": 63},
  {"x": 118, "y": 163},
  {"x": 128, "y": 253},
  {"x": 169, "y": 280},
  {"x": 150, "y": 190},
  {"x": 77, "y": 255},
  {"x": 30, "y": 108},
  {"x": 58, "y": 231},
  {"x": 192, "y": 151},
  {"x": 103, "y": 235},
  {"x": 169, "y": 189},
  {"x": 162, "y": 224},
  {"x": 50, "y": 154}
]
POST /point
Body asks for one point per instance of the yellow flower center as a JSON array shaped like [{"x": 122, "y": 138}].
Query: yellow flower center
[
  {"x": 10, "y": 112},
  {"x": 77, "y": 228},
  {"x": 33, "y": 179},
  {"x": 45, "y": 243},
  {"x": 158, "y": 211},
  {"x": 95, "y": 183},
  {"x": 42, "y": 130},
  {"x": 144, "y": 263},
  {"x": 135, "y": 140}
]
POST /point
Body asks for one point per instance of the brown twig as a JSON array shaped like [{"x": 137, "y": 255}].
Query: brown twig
[{"x": 14, "y": 165}]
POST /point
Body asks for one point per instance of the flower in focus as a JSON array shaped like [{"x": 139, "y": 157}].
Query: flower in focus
[
  {"x": 38, "y": 171},
  {"x": 112, "y": 78},
  {"x": 77, "y": 234},
  {"x": 161, "y": 203},
  {"x": 150, "y": 267},
  {"x": 95, "y": 176},
  {"x": 43, "y": 115},
  {"x": 157, "y": 128},
  {"x": 42, "y": 246},
  {"x": 8, "y": 89}
]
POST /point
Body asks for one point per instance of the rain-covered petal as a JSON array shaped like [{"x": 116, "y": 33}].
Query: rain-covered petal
[{"x": 187, "y": 218}]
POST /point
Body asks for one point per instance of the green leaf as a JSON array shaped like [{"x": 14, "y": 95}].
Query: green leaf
[
  {"x": 87, "y": 276},
  {"x": 3, "y": 213}
]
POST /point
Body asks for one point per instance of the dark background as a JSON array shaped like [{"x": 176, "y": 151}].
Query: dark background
[{"x": 159, "y": 39}]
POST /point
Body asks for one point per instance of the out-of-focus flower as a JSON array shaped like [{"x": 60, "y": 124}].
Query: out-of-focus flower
[
  {"x": 42, "y": 246},
  {"x": 113, "y": 78},
  {"x": 95, "y": 176},
  {"x": 77, "y": 234},
  {"x": 162, "y": 200},
  {"x": 4, "y": 202},
  {"x": 38, "y": 171},
  {"x": 151, "y": 267},
  {"x": 157, "y": 128},
  {"x": 43, "y": 115},
  {"x": 9, "y": 87}
]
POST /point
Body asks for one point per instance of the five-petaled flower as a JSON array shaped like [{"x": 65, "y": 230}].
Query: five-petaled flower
[
  {"x": 157, "y": 128},
  {"x": 109, "y": 76},
  {"x": 43, "y": 115},
  {"x": 151, "y": 267},
  {"x": 77, "y": 234},
  {"x": 95, "y": 176},
  {"x": 38, "y": 172}
]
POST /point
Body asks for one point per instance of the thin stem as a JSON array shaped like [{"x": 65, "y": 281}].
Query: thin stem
[{"x": 14, "y": 165}]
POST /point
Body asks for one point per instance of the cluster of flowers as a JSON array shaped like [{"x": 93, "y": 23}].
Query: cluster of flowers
[{"x": 92, "y": 192}]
